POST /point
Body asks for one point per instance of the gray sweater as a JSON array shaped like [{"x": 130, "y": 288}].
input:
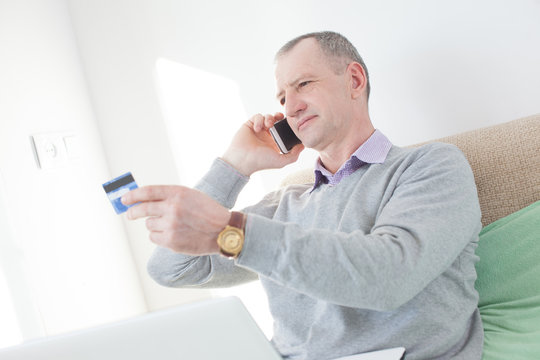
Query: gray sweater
[{"x": 385, "y": 258}]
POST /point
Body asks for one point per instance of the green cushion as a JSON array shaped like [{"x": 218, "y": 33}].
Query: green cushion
[{"x": 509, "y": 285}]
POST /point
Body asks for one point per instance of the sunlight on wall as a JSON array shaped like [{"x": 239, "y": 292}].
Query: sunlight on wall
[
  {"x": 202, "y": 112},
  {"x": 10, "y": 333}
]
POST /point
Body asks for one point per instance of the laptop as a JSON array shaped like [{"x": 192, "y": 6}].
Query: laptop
[{"x": 213, "y": 329}]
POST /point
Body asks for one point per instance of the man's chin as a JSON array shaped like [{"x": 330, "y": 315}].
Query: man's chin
[
  {"x": 311, "y": 138},
  {"x": 310, "y": 143}
]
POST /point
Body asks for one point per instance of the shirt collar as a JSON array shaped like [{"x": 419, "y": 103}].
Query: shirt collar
[{"x": 373, "y": 151}]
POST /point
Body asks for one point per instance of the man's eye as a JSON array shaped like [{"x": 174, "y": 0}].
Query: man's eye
[{"x": 303, "y": 83}]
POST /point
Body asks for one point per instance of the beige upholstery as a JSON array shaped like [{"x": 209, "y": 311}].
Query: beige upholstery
[{"x": 505, "y": 159}]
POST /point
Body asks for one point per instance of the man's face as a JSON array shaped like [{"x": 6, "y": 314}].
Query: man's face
[{"x": 316, "y": 100}]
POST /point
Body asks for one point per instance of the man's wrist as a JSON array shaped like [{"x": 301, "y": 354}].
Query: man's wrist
[{"x": 238, "y": 163}]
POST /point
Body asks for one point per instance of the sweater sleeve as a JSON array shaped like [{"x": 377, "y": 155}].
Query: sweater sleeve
[
  {"x": 223, "y": 183},
  {"x": 427, "y": 217}
]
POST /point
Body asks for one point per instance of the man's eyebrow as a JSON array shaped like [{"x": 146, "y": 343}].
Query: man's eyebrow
[{"x": 293, "y": 83}]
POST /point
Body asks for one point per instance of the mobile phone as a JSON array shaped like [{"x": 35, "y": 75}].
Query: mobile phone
[{"x": 283, "y": 135}]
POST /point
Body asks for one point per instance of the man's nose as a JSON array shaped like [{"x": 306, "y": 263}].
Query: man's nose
[{"x": 294, "y": 105}]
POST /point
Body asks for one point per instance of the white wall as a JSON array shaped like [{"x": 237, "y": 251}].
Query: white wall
[
  {"x": 436, "y": 67},
  {"x": 64, "y": 251}
]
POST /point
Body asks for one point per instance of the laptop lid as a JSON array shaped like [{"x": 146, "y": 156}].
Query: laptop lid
[{"x": 213, "y": 329}]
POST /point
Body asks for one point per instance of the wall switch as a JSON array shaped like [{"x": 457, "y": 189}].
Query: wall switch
[
  {"x": 71, "y": 142},
  {"x": 51, "y": 149}
]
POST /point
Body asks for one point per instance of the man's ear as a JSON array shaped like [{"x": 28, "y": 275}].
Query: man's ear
[{"x": 358, "y": 79}]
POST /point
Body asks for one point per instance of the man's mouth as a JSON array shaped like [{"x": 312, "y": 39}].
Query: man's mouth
[{"x": 304, "y": 121}]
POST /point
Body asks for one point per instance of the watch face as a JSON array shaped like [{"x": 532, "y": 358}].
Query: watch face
[{"x": 231, "y": 241}]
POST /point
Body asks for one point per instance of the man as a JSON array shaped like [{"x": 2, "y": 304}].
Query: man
[{"x": 377, "y": 253}]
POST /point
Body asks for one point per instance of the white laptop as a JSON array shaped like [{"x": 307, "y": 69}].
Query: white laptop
[{"x": 209, "y": 330}]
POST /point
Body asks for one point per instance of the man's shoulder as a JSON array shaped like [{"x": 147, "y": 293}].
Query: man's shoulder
[
  {"x": 430, "y": 158},
  {"x": 426, "y": 151}
]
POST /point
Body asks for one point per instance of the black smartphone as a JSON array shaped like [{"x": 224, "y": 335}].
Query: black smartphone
[{"x": 283, "y": 135}]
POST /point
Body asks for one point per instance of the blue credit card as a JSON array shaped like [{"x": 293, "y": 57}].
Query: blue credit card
[{"x": 118, "y": 187}]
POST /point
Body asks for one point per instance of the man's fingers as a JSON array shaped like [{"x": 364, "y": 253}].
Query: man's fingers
[
  {"x": 148, "y": 193},
  {"x": 264, "y": 122},
  {"x": 258, "y": 122},
  {"x": 269, "y": 121},
  {"x": 145, "y": 209},
  {"x": 279, "y": 116},
  {"x": 155, "y": 223}
]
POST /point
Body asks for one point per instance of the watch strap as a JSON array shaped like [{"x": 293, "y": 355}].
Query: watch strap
[{"x": 237, "y": 220}]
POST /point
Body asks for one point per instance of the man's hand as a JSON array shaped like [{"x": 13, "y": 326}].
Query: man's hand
[
  {"x": 253, "y": 147},
  {"x": 179, "y": 218}
]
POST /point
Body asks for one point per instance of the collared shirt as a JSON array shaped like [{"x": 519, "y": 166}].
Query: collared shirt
[{"x": 373, "y": 151}]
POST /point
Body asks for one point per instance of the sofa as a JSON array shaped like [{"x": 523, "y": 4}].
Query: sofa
[{"x": 505, "y": 160}]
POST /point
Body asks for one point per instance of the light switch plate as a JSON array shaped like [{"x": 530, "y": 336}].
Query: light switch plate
[{"x": 50, "y": 149}]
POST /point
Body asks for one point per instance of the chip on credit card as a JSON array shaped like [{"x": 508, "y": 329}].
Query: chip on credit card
[{"x": 116, "y": 188}]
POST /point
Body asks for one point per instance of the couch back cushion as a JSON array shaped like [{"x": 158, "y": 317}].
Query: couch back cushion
[{"x": 505, "y": 160}]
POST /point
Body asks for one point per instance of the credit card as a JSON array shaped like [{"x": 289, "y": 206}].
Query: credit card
[{"x": 116, "y": 188}]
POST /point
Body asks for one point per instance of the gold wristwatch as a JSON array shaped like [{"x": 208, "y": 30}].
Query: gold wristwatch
[{"x": 231, "y": 239}]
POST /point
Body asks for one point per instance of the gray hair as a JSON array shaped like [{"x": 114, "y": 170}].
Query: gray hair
[{"x": 335, "y": 46}]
